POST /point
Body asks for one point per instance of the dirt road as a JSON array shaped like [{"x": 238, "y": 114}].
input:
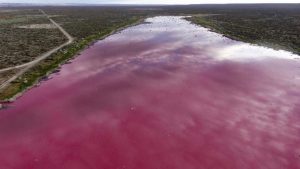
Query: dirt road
[{"x": 43, "y": 56}]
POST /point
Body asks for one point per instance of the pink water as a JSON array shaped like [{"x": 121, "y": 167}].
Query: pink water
[{"x": 162, "y": 95}]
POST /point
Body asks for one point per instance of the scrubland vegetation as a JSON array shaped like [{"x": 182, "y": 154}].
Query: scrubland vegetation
[
  {"x": 21, "y": 45},
  {"x": 86, "y": 25},
  {"x": 277, "y": 26}
]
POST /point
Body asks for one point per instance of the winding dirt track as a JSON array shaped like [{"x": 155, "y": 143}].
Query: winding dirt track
[{"x": 43, "y": 56}]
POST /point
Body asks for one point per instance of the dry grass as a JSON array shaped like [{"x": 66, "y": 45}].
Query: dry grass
[
  {"x": 4, "y": 76},
  {"x": 26, "y": 34},
  {"x": 37, "y": 26}
]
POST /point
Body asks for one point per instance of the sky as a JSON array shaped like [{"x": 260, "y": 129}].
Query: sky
[{"x": 150, "y": 1}]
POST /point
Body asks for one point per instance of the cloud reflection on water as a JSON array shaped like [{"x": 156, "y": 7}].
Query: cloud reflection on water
[{"x": 167, "y": 94}]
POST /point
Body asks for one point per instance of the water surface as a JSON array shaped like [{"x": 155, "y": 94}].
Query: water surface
[{"x": 162, "y": 95}]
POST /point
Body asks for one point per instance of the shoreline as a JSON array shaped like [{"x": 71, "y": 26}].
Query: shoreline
[
  {"x": 39, "y": 80},
  {"x": 206, "y": 24},
  {"x": 95, "y": 37}
]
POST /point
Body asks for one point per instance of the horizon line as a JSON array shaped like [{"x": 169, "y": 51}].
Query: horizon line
[
  {"x": 44, "y": 3},
  {"x": 136, "y": 4}
]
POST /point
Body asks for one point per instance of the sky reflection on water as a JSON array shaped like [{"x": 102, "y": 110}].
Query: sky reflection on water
[{"x": 167, "y": 94}]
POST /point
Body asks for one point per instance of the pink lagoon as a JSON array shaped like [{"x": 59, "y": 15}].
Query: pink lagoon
[{"x": 166, "y": 94}]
